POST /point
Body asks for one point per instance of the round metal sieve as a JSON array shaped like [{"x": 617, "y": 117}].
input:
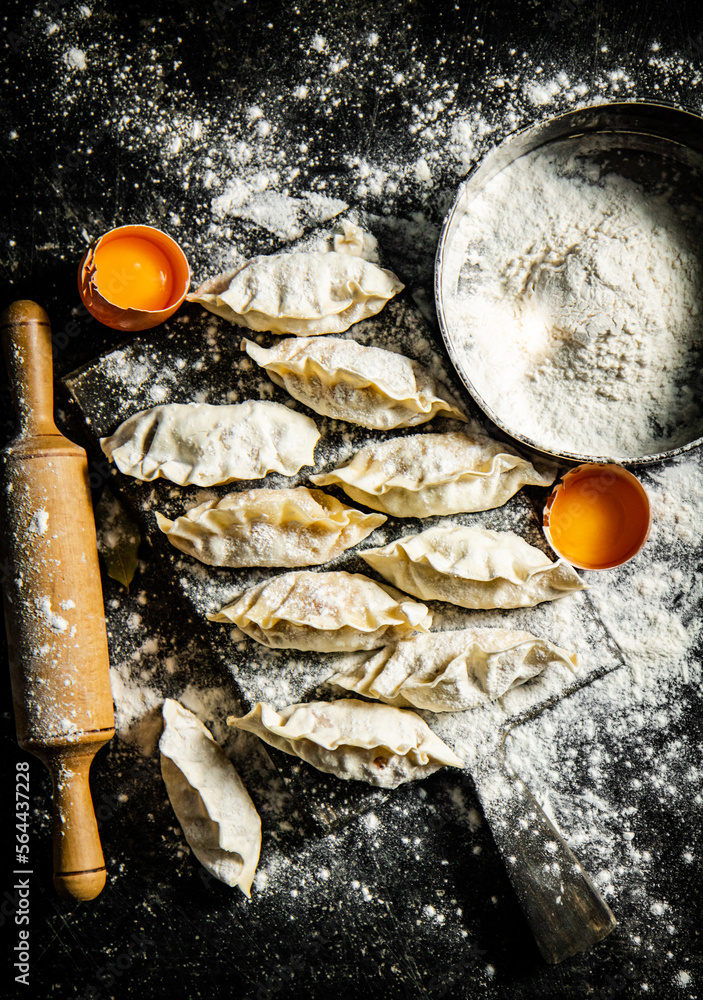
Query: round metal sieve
[{"x": 634, "y": 127}]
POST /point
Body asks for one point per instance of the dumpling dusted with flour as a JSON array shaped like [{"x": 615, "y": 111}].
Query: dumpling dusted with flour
[
  {"x": 453, "y": 671},
  {"x": 219, "y": 820},
  {"x": 474, "y": 568},
  {"x": 421, "y": 475},
  {"x": 328, "y": 612},
  {"x": 352, "y": 239},
  {"x": 305, "y": 293},
  {"x": 364, "y": 385},
  {"x": 266, "y": 527},
  {"x": 199, "y": 444},
  {"x": 355, "y": 739}
]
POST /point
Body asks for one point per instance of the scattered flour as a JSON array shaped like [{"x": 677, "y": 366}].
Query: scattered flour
[
  {"x": 243, "y": 171},
  {"x": 75, "y": 59},
  {"x": 55, "y": 622},
  {"x": 137, "y": 708},
  {"x": 40, "y": 522}
]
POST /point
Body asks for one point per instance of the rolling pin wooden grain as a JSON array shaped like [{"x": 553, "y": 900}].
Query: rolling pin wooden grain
[{"x": 53, "y": 602}]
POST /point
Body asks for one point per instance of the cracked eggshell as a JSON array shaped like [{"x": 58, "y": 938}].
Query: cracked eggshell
[{"x": 131, "y": 320}]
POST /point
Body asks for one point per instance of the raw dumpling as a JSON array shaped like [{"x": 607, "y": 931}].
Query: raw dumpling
[
  {"x": 328, "y": 612},
  {"x": 345, "y": 380},
  {"x": 353, "y": 739},
  {"x": 287, "y": 527},
  {"x": 352, "y": 239},
  {"x": 199, "y": 444},
  {"x": 302, "y": 293},
  {"x": 212, "y": 805},
  {"x": 474, "y": 568},
  {"x": 421, "y": 475},
  {"x": 452, "y": 671}
]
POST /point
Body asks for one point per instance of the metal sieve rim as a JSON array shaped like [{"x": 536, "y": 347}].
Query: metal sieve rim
[{"x": 657, "y": 120}]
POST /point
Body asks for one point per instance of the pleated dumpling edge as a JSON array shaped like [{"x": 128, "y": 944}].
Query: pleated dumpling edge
[
  {"x": 207, "y": 444},
  {"x": 455, "y": 670},
  {"x": 285, "y": 527},
  {"x": 369, "y": 386},
  {"x": 425, "y": 475},
  {"x": 332, "y": 611},
  {"x": 473, "y": 568},
  {"x": 306, "y": 293},
  {"x": 353, "y": 739}
]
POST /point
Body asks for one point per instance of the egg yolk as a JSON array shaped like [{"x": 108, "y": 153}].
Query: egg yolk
[
  {"x": 599, "y": 520},
  {"x": 133, "y": 273}
]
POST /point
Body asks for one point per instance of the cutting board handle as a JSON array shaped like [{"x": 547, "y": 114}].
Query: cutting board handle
[
  {"x": 565, "y": 911},
  {"x": 28, "y": 353}
]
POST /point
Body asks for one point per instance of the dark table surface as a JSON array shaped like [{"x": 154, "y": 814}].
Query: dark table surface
[{"x": 136, "y": 114}]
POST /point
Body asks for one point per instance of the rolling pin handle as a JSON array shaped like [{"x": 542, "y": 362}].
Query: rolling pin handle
[
  {"x": 79, "y": 866},
  {"x": 26, "y": 336}
]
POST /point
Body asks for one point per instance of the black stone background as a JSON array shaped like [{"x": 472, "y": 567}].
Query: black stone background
[{"x": 160, "y": 928}]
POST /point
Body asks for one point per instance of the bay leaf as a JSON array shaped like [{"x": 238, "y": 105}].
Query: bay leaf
[{"x": 118, "y": 539}]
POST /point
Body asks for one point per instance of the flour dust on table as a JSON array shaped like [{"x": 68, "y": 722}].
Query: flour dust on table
[{"x": 286, "y": 125}]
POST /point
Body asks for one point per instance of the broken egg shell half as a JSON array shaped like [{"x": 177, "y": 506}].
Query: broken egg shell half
[
  {"x": 129, "y": 319},
  {"x": 598, "y": 516}
]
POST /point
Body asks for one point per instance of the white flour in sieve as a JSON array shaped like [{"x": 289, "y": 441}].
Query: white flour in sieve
[{"x": 574, "y": 296}]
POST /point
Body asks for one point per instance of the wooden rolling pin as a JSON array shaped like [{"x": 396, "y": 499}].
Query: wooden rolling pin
[{"x": 53, "y": 602}]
